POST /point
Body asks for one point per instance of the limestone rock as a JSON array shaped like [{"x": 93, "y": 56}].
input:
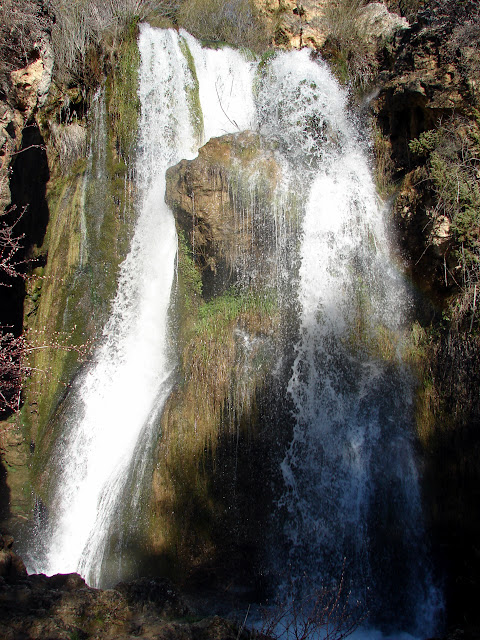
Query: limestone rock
[
  {"x": 11, "y": 566},
  {"x": 294, "y": 24},
  {"x": 378, "y": 22},
  {"x": 30, "y": 85},
  {"x": 29, "y": 90},
  {"x": 440, "y": 234},
  {"x": 231, "y": 174},
  {"x": 63, "y": 606},
  {"x": 297, "y": 24}
]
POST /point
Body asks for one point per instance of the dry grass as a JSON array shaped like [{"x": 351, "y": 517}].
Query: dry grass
[
  {"x": 233, "y": 21},
  {"x": 22, "y": 24},
  {"x": 81, "y": 26},
  {"x": 347, "y": 46},
  {"x": 70, "y": 142}
]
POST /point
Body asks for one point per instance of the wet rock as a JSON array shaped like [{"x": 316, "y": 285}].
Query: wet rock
[
  {"x": 209, "y": 196},
  {"x": 156, "y": 593},
  {"x": 11, "y": 565},
  {"x": 37, "y": 607}
]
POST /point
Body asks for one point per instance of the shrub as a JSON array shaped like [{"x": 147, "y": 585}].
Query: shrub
[
  {"x": 326, "y": 612},
  {"x": 452, "y": 153},
  {"x": 233, "y": 21},
  {"x": 347, "y": 46},
  {"x": 81, "y": 26},
  {"x": 70, "y": 142},
  {"x": 21, "y": 26}
]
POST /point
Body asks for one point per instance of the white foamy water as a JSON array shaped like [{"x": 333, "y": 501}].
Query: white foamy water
[
  {"x": 351, "y": 501},
  {"x": 351, "y": 493},
  {"x": 112, "y": 416}
]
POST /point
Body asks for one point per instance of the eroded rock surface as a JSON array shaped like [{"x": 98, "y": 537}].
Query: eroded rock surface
[
  {"x": 233, "y": 214},
  {"x": 63, "y": 606},
  {"x": 430, "y": 78},
  {"x": 222, "y": 201}
]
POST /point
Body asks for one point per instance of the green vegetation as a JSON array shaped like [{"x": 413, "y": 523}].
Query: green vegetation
[
  {"x": 123, "y": 101},
  {"x": 227, "y": 346},
  {"x": 193, "y": 95},
  {"x": 190, "y": 279},
  {"x": 452, "y": 154},
  {"x": 233, "y": 21},
  {"x": 383, "y": 168},
  {"x": 91, "y": 215}
]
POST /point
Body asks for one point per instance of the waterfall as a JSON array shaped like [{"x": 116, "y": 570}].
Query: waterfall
[
  {"x": 110, "y": 419},
  {"x": 350, "y": 495}
]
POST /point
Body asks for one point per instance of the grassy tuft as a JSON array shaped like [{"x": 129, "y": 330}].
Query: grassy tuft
[{"x": 233, "y": 21}]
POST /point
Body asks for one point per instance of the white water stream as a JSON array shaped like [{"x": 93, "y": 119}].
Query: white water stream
[
  {"x": 112, "y": 417},
  {"x": 351, "y": 487}
]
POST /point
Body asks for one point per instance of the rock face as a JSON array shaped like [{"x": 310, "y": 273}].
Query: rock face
[
  {"x": 294, "y": 24},
  {"x": 11, "y": 565},
  {"x": 426, "y": 81},
  {"x": 427, "y": 109},
  {"x": 302, "y": 24},
  {"x": 25, "y": 78},
  {"x": 217, "y": 438},
  {"x": 29, "y": 90},
  {"x": 218, "y": 200},
  {"x": 36, "y": 607}
]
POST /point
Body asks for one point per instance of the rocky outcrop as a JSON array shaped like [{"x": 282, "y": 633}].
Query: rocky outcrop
[
  {"x": 429, "y": 80},
  {"x": 29, "y": 87},
  {"x": 218, "y": 424},
  {"x": 26, "y": 66},
  {"x": 12, "y": 567},
  {"x": 222, "y": 202},
  {"x": 427, "y": 111},
  {"x": 294, "y": 24},
  {"x": 303, "y": 24},
  {"x": 36, "y": 607}
]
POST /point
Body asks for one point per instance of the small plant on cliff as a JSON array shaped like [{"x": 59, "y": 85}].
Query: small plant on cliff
[
  {"x": 83, "y": 27},
  {"x": 21, "y": 25},
  {"x": 17, "y": 351},
  {"x": 347, "y": 46},
  {"x": 452, "y": 153}
]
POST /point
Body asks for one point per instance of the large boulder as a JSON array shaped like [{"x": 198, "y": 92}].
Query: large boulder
[{"x": 222, "y": 201}]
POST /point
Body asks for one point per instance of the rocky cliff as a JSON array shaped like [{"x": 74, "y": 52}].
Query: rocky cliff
[
  {"x": 62, "y": 606},
  {"x": 427, "y": 97},
  {"x": 427, "y": 114},
  {"x": 217, "y": 446}
]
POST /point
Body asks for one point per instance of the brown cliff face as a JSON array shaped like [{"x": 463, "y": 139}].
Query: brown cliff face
[
  {"x": 63, "y": 606},
  {"x": 427, "y": 110},
  {"x": 219, "y": 200},
  {"x": 221, "y": 421},
  {"x": 26, "y": 64},
  {"x": 429, "y": 83}
]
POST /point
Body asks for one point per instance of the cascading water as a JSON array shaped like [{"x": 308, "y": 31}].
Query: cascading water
[
  {"x": 350, "y": 481},
  {"x": 351, "y": 498},
  {"x": 109, "y": 427}
]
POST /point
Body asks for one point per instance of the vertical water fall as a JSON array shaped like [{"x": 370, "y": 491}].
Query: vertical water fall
[
  {"x": 350, "y": 493},
  {"x": 110, "y": 418},
  {"x": 351, "y": 503}
]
